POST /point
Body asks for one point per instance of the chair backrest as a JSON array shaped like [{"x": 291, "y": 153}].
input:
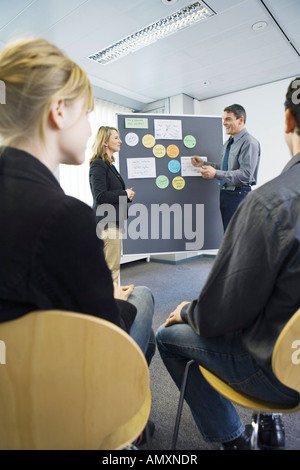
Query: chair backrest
[
  {"x": 69, "y": 381},
  {"x": 286, "y": 354}
]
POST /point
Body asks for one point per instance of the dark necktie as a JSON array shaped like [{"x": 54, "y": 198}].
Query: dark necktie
[{"x": 225, "y": 161}]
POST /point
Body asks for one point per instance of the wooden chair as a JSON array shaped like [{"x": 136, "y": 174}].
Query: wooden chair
[
  {"x": 286, "y": 367},
  {"x": 71, "y": 382}
]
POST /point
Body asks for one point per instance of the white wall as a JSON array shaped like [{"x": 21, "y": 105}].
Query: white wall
[{"x": 264, "y": 106}]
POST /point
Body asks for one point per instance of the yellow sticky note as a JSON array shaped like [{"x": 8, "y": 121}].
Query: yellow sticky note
[
  {"x": 178, "y": 182},
  {"x": 159, "y": 151},
  {"x": 148, "y": 140}
]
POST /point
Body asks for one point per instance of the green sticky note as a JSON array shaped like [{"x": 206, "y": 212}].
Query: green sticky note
[
  {"x": 162, "y": 181},
  {"x": 136, "y": 123},
  {"x": 189, "y": 141}
]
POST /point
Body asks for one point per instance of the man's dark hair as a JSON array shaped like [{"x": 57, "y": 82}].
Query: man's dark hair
[
  {"x": 292, "y": 101},
  {"x": 237, "y": 110}
]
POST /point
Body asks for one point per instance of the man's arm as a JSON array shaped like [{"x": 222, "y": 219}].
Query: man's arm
[
  {"x": 243, "y": 274},
  {"x": 247, "y": 160}
]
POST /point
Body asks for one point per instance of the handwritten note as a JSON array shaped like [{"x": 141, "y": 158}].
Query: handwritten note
[
  {"x": 136, "y": 123},
  {"x": 168, "y": 129},
  {"x": 172, "y": 151},
  {"x": 159, "y": 151},
  {"x": 148, "y": 141},
  {"x": 178, "y": 183},
  {"x": 132, "y": 139},
  {"x": 189, "y": 141},
  {"x": 187, "y": 169},
  {"x": 141, "y": 168},
  {"x": 162, "y": 181}
]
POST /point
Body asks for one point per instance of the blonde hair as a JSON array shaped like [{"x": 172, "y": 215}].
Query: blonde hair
[
  {"x": 36, "y": 73},
  {"x": 98, "y": 148}
]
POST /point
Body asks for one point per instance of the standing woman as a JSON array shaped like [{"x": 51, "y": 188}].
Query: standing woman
[{"x": 107, "y": 187}]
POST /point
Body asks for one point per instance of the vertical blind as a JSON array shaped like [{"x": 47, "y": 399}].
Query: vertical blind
[{"x": 75, "y": 179}]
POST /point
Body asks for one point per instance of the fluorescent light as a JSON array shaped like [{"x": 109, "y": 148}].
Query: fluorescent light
[{"x": 165, "y": 27}]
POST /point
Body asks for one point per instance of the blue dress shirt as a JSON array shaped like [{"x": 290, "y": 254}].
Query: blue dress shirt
[{"x": 243, "y": 161}]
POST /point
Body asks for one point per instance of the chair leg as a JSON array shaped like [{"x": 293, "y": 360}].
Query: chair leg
[
  {"x": 147, "y": 435},
  {"x": 254, "y": 434},
  {"x": 180, "y": 404}
]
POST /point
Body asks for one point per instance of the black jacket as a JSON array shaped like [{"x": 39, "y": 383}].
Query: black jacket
[
  {"x": 254, "y": 283},
  {"x": 107, "y": 186},
  {"x": 50, "y": 255}
]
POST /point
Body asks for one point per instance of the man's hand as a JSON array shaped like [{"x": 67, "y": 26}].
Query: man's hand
[
  {"x": 197, "y": 161},
  {"x": 175, "y": 316},
  {"x": 122, "y": 292},
  {"x": 208, "y": 172}
]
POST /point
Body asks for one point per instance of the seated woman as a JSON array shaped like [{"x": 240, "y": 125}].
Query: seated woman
[{"x": 50, "y": 255}]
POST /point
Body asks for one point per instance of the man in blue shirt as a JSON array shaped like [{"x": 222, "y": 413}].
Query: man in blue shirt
[{"x": 238, "y": 169}]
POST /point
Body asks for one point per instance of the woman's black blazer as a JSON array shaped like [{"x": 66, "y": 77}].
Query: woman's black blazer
[{"x": 107, "y": 186}]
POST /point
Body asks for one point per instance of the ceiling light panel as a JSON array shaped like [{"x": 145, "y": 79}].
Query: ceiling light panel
[{"x": 165, "y": 27}]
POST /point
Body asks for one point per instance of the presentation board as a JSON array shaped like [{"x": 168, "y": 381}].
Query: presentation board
[{"x": 174, "y": 209}]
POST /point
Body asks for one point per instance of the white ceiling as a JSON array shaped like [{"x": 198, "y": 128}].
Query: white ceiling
[{"x": 220, "y": 55}]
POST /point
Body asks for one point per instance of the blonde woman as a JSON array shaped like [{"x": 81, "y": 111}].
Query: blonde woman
[
  {"x": 51, "y": 257},
  {"x": 109, "y": 194}
]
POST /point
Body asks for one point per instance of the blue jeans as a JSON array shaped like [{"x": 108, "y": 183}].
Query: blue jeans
[
  {"x": 141, "y": 329},
  {"x": 215, "y": 416},
  {"x": 229, "y": 201}
]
